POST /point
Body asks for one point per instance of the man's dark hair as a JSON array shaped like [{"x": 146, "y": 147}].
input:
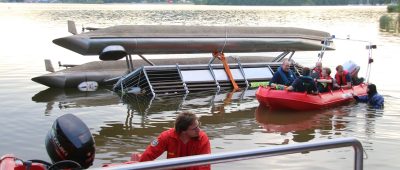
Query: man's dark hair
[
  {"x": 184, "y": 120},
  {"x": 306, "y": 71},
  {"x": 372, "y": 90},
  {"x": 339, "y": 67}
]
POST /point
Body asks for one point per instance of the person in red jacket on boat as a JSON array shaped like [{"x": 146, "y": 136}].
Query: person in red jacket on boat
[
  {"x": 283, "y": 76},
  {"x": 342, "y": 78},
  {"x": 317, "y": 70},
  {"x": 186, "y": 139},
  {"x": 325, "y": 82}
]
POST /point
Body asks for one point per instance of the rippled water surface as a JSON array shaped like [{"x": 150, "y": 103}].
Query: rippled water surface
[{"x": 233, "y": 121}]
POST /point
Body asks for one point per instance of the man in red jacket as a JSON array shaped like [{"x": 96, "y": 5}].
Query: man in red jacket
[
  {"x": 186, "y": 139},
  {"x": 342, "y": 77}
]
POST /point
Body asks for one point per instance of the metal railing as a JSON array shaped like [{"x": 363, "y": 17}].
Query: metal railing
[{"x": 251, "y": 154}]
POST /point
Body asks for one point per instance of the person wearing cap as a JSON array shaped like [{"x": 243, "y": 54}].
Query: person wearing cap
[
  {"x": 185, "y": 139},
  {"x": 372, "y": 98}
]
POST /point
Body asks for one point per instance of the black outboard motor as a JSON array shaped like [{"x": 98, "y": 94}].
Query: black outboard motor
[{"x": 70, "y": 139}]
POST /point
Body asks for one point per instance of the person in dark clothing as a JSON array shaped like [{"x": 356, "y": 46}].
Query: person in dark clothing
[
  {"x": 283, "y": 77},
  {"x": 372, "y": 98},
  {"x": 304, "y": 83}
]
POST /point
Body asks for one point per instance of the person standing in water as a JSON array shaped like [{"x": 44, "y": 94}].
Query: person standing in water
[{"x": 372, "y": 98}]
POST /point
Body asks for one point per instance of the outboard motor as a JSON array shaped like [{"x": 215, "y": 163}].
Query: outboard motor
[{"x": 70, "y": 141}]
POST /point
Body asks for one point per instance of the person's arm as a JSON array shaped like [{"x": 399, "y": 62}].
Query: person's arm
[
  {"x": 294, "y": 84},
  {"x": 348, "y": 80},
  {"x": 361, "y": 98},
  {"x": 324, "y": 81},
  {"x": 274, "y": 80},
  {"x": 155, "y": 149},
  {"x": 335, "y": 84}
]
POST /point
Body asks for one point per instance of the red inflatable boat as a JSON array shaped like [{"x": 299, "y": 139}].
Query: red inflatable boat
[
  {"x": 10, "y": 162},
  {"x": 285, "y": 100}
]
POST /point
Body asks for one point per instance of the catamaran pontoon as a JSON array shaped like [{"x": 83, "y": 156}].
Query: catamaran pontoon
[{"x": 169, "y": 76}]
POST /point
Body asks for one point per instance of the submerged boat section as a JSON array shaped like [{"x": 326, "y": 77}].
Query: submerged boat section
[{"x": 178, "y": 79}]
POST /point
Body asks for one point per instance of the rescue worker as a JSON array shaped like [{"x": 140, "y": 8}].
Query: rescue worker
[
  {"x": 283, "y": 77},
  {"x": 342, "y": 77},
  {"x": 325, "y": 82},
  {"x": 186, "y": 139},
  {"x": 317, "y": 70},
  {"x": 304, "y": 83},
  {"x": 372, "y": 98}
]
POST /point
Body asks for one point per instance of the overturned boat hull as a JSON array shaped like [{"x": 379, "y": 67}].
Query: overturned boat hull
[
  {"x": 115, "y": 42},
  {"x": 175, "y": 39}
]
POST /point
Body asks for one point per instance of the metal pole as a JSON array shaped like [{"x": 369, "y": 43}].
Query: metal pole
[
  {"x": 145, "y": 59},
  {"x": 251, "y": 154}
]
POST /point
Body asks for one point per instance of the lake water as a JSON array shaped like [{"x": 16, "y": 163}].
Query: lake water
[{"x": 232, "y": 121}]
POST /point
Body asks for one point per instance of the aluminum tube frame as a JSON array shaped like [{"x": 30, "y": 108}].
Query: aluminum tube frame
[{"x": 251, "y": 154}]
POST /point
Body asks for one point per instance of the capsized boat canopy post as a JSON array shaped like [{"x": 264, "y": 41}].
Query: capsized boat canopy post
[{"x": 326, "y": 43}]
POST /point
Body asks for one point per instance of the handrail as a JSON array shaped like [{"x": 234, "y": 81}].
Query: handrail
[
  {"x": 251, "y": 154},
  {"x": 148, "y": 80},
  {"x": 180, "y": 75},
  {"x": 237, "y": 59},
  {"x": 212, "y": 73}
]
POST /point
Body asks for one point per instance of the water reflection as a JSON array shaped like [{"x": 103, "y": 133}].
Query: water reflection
[
  {"x": 204, "y": 102},
  {"x": 147, "y": 117},
  {"x": 304, "y": 126},
  {"x": 229, "y": 117},
  {"x": 73, "y": 98}
]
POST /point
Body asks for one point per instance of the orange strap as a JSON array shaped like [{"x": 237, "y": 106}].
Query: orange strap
[{"x": 221, "y": 57}]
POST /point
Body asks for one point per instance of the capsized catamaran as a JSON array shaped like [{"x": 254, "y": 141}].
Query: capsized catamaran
[
  {"x": 177, "y": 39},
  {"x": 114, "y": 43}
]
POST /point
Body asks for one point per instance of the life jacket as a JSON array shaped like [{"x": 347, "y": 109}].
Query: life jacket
[
  {"x": 341, "y": 79},
  {"x": 316, "y": 73},
  {"x": 286, "y": 80}
]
